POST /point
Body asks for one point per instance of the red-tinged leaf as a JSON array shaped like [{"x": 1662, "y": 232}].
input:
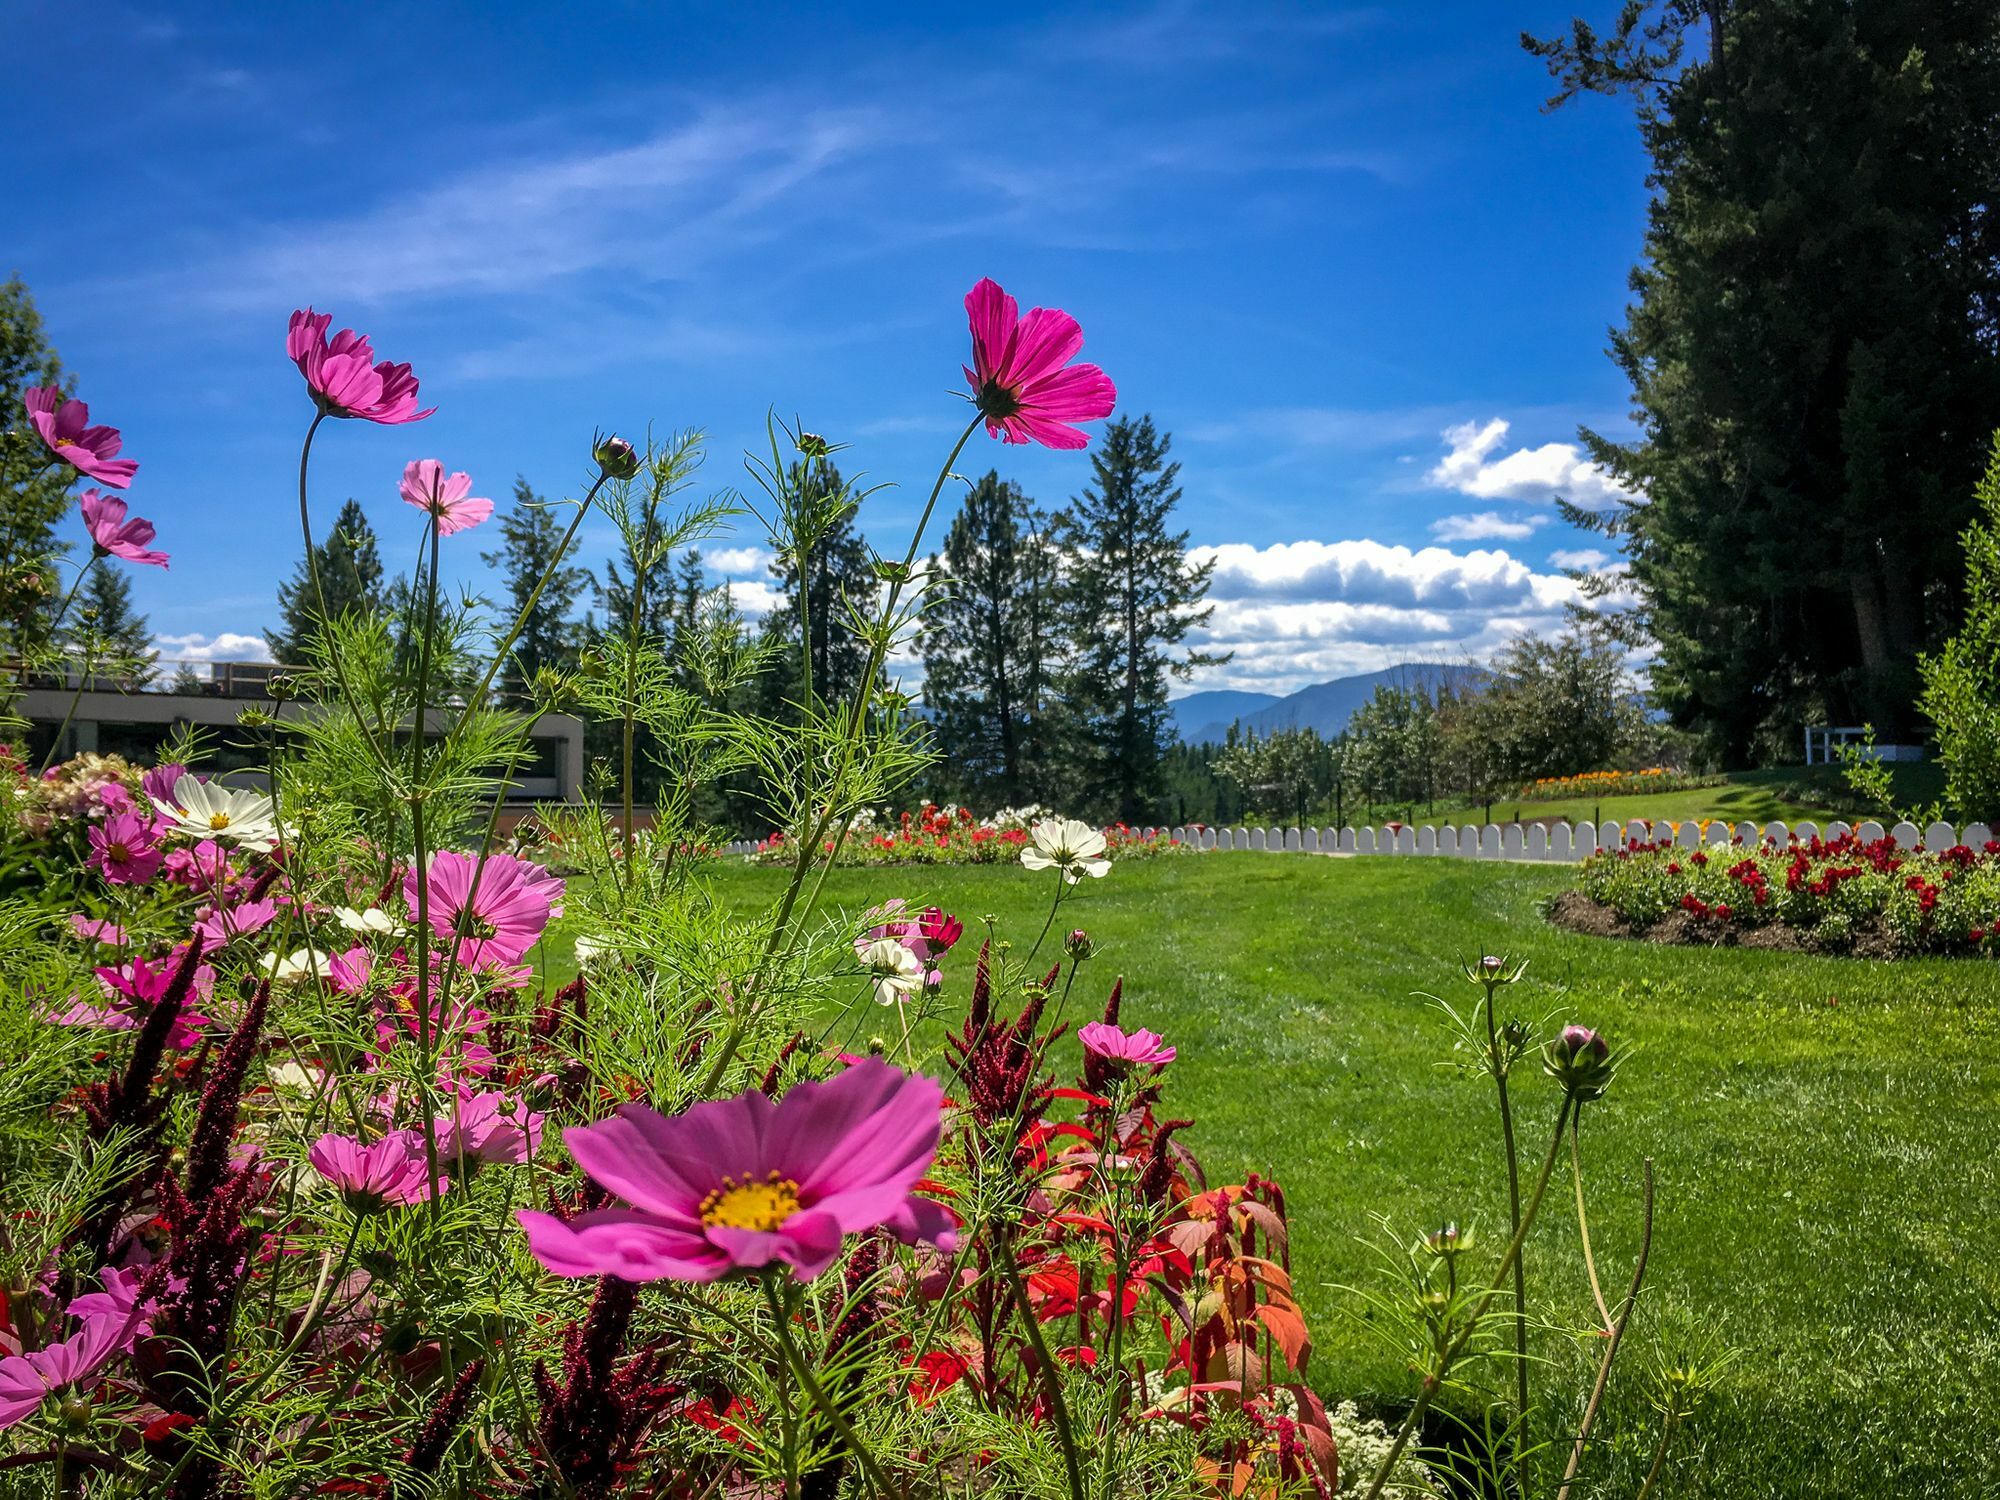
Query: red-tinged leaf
[
  {"x": 1289, "y": 1329},
  {"x": 1266, "y": 1219},
  {"x": 1188, "y": 1237},
  {"x": 1083, "y": 1221},
  {"x": 1082, "y": 1096},
  {"x": 1267, "y": 1272}
]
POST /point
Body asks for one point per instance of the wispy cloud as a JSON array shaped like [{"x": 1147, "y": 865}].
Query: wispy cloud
[
  {"x": 1486, "y": 525},
  {"x": 662, "y": 206}
]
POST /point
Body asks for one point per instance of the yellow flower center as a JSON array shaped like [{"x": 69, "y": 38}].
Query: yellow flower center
[
  {"x": 751, "y": 1205},
  {"x": 218, "y": 821}
]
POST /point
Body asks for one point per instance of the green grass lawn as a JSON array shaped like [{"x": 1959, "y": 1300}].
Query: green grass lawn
[
  {"x": 1823, "y": 1132},
  {"x": 1784, "y": 792}
]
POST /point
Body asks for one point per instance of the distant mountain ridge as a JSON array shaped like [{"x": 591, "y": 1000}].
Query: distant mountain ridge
[{"x": 1325, "y": 707}]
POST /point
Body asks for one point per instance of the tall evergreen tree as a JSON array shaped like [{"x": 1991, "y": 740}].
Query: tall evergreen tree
[
  {"x": 810, "y": 624},
  {"x": 986, "y": 645},
  {"x": 529, "y": 542},
  {"x": 1133, "y": 598},
  {"x": 1813, "y": 347},
  {"x": 350, "y": 568},
  {"x": 33, "y": 496}
]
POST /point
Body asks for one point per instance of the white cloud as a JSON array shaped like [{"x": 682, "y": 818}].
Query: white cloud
[
  {"x": 756, "y": 599},
  {"x": 1486, "y": 525},
  {"x": 1579, "y": 557},
  {"x": 230, "y": 645},
  {"x": 1301, "y": 612},
  {"x": 1473, "y": 466},
  {"x": 737, "y": 562}
]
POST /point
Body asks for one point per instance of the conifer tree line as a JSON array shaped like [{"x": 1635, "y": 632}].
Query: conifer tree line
[{"x": 1055, "y": 635}]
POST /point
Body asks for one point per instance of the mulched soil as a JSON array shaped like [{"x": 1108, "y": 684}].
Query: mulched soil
[{"x": 1578, "y": 913}]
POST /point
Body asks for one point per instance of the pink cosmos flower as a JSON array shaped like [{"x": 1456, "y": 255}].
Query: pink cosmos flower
[
  {"x": 1022, "y": 379},
  {"x": 124, "y": 851},
  {"x": 113, "y": 535},
  {"x": 1122, "y": 1049},
  {"x": 740, "y": 1184},
  {"x": 502, "y": 919},
  {"x": 491, "y": 1127},
  {"x": 448, "y": 497},
  {"x": 386, "y": 1174},
  {"x": 158, "y": 783},
  {"x": 224, "y": 924},
  {"x": 133, "y": 990},
  {"x": 140, "y": 984},
  {"x": 27, "y": 1379},
  {"x": 65, "y": 427},
  {"x": 203, "y": 867},
  {"x": 343, "y": 376},
  {"x": 97, "y": 930}
]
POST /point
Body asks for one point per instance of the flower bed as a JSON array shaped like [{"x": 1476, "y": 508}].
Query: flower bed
[
  {"x": 934, "y": 835},
  {"x": 1614, "y": 784},
  {"x": 1834, "y": 895}
]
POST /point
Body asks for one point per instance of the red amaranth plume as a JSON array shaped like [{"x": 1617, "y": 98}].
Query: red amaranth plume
[
  {"x": 1158, "y": 1178},
  {"x": 421, "y": 1461},
  {"x": 197, "y": 1283},
  {"x": 594, "y": 1421},
  {"x": 572, "y": 1000},
  {"x": 997, "y": 1062},
  {"x": 774, "y": 1075},
  {"x": 127, "y": 1103},
  {"x": 215, "y": 1122}
]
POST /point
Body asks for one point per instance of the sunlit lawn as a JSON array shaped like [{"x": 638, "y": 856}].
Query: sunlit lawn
[{"x": 1823, "y": 1130}]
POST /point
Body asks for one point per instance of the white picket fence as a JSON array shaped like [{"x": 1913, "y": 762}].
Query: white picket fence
[{"x": 1559, "y": 842}]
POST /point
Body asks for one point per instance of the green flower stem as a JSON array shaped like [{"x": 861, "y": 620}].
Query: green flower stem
[
  {"x": 1617, "y": 1331},
  {"x": 781, "y": 1320},
  {"x": 781, "y": 927},
  {"x": 422, "y": 864},
  {"x": 1659, "y": 1455},
  {"x": 1045, "y": 1366},
  {"x": 1499, "y": 1070},
  {"x": 347, "y": 693},
  {"x": 1434, "y": 1382}
]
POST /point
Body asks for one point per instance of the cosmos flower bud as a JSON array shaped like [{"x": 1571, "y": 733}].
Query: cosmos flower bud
[
  {"x": 616, "y": 457},
  {"x": 812, "y": 445},
  {"x": 1447, "y": 1241},
  {"x": 888, "y": 570},
  {"x": 1078, "y": 944},
  {"x": 1581, "y": 1061}
]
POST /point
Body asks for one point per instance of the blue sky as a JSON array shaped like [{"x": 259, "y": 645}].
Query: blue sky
[{"x": 1339, "y": 252}]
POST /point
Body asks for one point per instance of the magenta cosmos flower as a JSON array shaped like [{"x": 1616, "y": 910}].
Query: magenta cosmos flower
[
  {"x": 343, "y": 376},
  {"x": 26, "y": 1379},
  {"x": 447, "y": 497},
  {"x": 65, "y": 428},
  {"x": 1022, "y": 378},
  {"x": 104, "y": 516},
  {"x": 740, "y": 1184},
  {"x": 124, "y": 851},
  {"x": 385, "y": 1174},
  {"x": 1128, "y": 1049},
  {"x": 502, "y": 919}
]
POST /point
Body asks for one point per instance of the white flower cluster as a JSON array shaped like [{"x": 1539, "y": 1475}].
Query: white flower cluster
[{"x": 1362, "y": 1444}]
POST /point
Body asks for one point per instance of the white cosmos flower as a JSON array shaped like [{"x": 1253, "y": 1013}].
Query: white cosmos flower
[
  {"x": 373, "y": 921},
  {"x": 300, "y": 963},
  {"x": 210, "y": 810},
  {"x": 592, "y": 950},
  {"x": 1066, "y": 844},
  {"x": 893, "y": 969}
]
